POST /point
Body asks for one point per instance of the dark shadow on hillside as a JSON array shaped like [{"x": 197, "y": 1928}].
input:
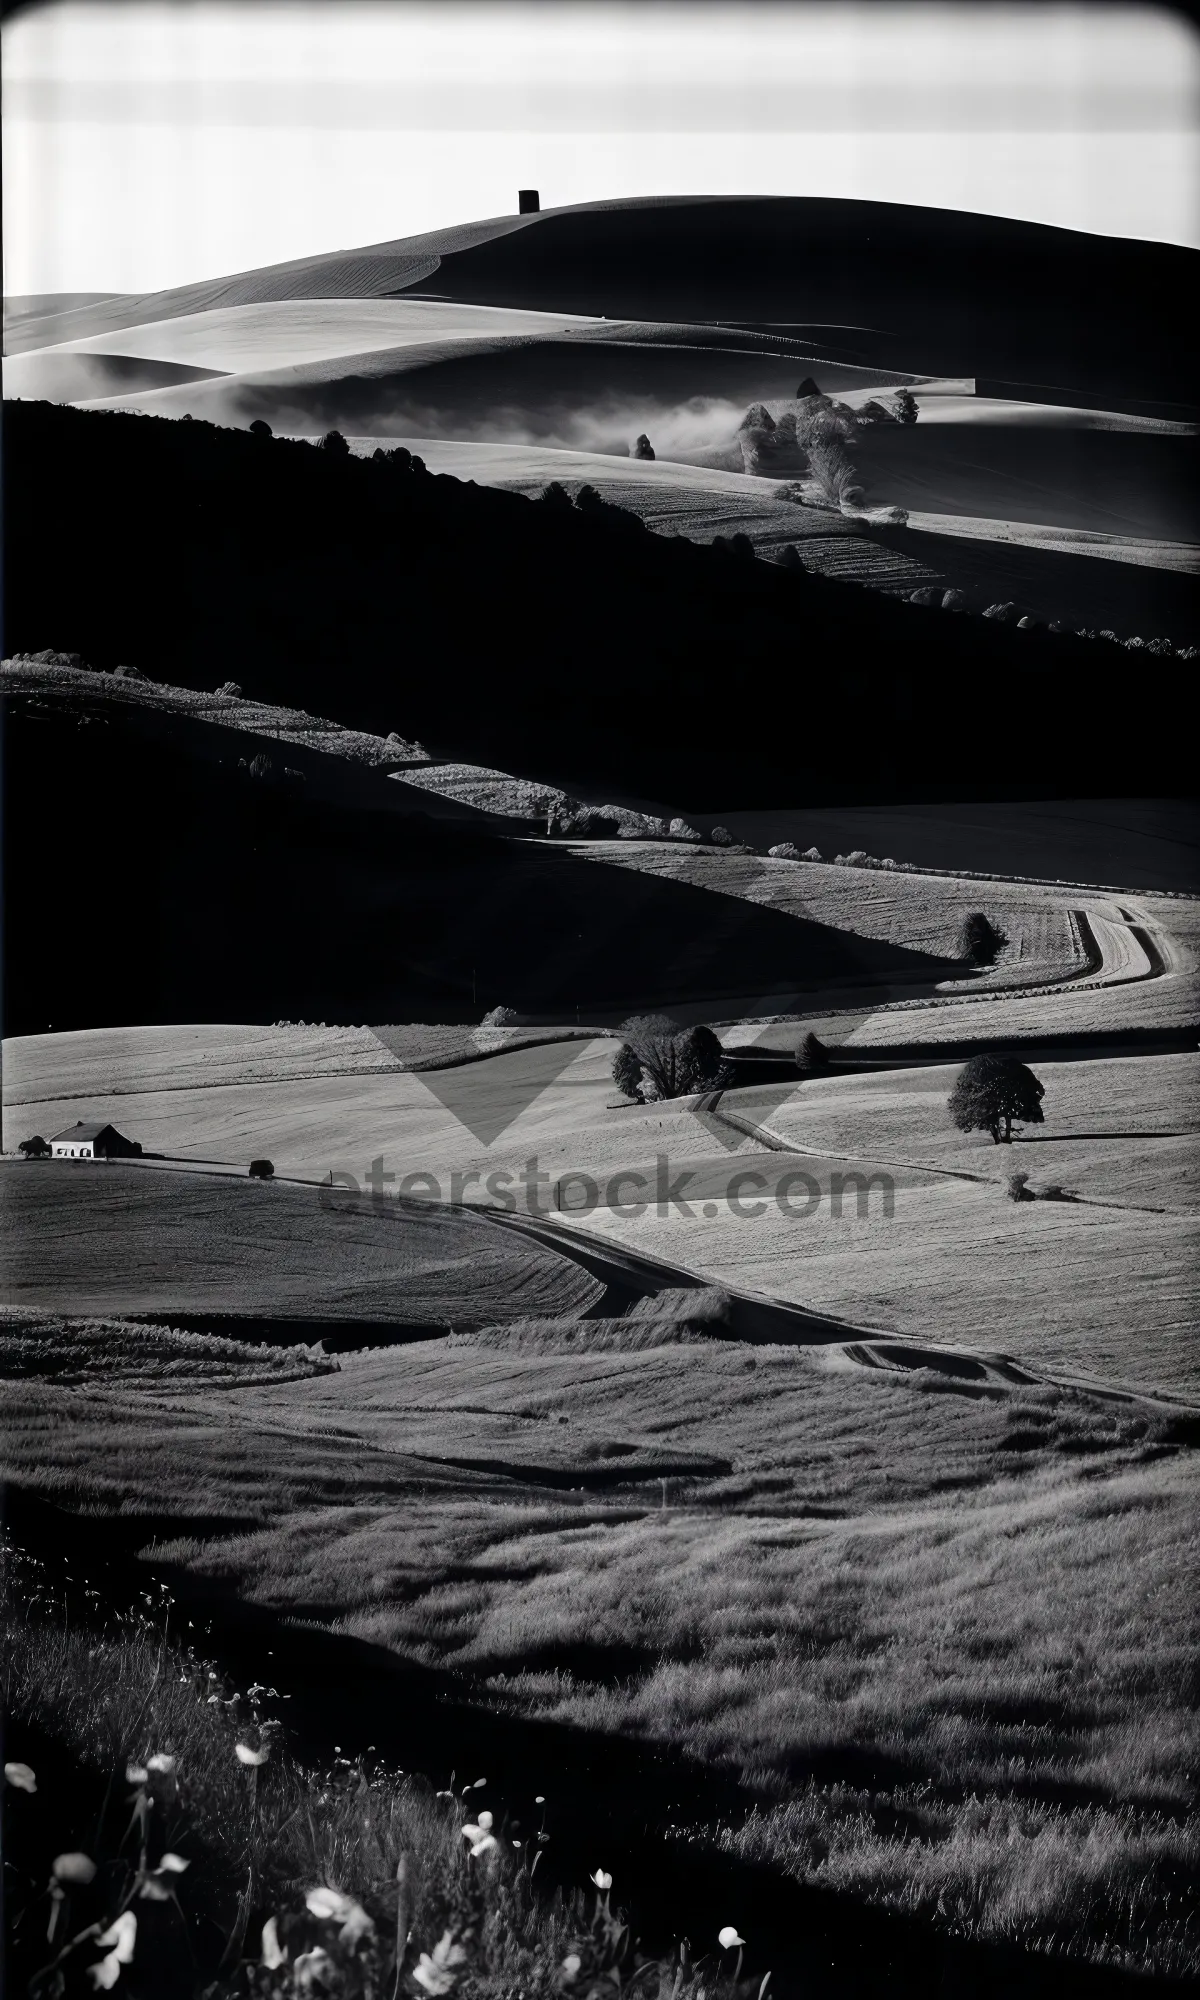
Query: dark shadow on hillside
[
  {"x": 202, "y": 892},
  {"x": 503, "y": 631}
]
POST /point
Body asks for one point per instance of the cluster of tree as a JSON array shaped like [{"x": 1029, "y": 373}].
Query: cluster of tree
[
  {"x": 658, "y": 1059},
  {"x": 993, "y": 1092}
]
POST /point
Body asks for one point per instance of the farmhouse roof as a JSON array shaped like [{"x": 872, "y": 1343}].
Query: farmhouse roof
[{"x": 81, "y": 1133}]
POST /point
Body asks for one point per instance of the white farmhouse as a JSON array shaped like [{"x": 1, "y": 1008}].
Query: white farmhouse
[{"x": 93, "y": 1142}]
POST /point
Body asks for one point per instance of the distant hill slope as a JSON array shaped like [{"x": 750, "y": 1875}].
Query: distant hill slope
[
  {"x": 935, "y": 290},
  {"x": 552, "y": 643}
]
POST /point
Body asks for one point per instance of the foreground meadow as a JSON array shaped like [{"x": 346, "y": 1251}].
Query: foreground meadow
[{"x": 937, "y": 1640}]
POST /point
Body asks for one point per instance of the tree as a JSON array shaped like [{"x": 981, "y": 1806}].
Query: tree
[
  {"x": 812, "y": 1055},
  {"x": 35, "y": 1148},
  {"x": 907, "y": 407},
  {"x": 700, "y": 1062},
  {"x": 991, "y": 1092},
  {"x": 659, "y": 1059},
  {"x": 556, "y": 497},
  {"x": 334, "y": 443},
  {"x": 260, "y": 428},
  {"x": 642, "y": 448},
  {"x": 627, "y": 1071},
  {"x": 979, "y": 939}
]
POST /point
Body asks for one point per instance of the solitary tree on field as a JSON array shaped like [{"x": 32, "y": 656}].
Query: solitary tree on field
[
  {"x": 35, "y": 1148},
  {"x": 979, "y": 939},
  {"x": 991, "y": 1092}
]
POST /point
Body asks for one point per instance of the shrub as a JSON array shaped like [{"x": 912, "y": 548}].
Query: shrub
[
  {"x": 642, "y": 448},
  {"x": 35, "y": 1148},
  {"x": 1018, "y": 1186},
  {"x": 741, "y": 545},
  {"x": 784, "y": 850},
  {"x": 230, "y": 688},
  {"x": 261, "y": 1170},
  {"x": 812, "y": 854},
  {"x": 1006, "y": 612},
  {"x": 680, "y": 829},
  {"x": 979, "y": 940},
  {"x": 953, "y": 600},
  {"x": 334, "y": 443},
  {"x": 721, "y": 837},
  {"x": 991, "y": 1092},
  {"x": 499, "y": 1017},
  {"x": 789, "y": 557},
  {"x": 906, "y": 406},
  {"x": 260, "y": 428},
  {"x": 829, "y": 464}
]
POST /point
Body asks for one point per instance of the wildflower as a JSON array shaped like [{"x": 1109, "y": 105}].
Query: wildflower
[
  {"x": 245, "y": 1755},
  {"x": 602, "y": 1880},
  {"x": 438, "y": 1971},
  {"x": 485, "y": 1821},
  {"x": 482, "y": 1841},
  {"x": 539, "y": 1800},
  {"x": 20, "y": 1777},
  {"x": 728, "y": 1938},
  {"x": 273, "y": 1953},
  {"x": 334, "y": 1907},
  {"x": 73, "y": 1868},
  {"x": 571, "y": 1966},
  {"x": 120, "y": 1937},
  {"x": 136, "y": 1774},
  {"x": 479, "y": 1784}
]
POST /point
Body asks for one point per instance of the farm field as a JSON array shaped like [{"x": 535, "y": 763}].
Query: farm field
[
  {"x": 1059, "y": 1284},
  {"x": 117, "y": 1239}
]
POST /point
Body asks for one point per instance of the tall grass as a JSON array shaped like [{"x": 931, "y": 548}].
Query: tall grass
[{"x": 168, "y": 1797}]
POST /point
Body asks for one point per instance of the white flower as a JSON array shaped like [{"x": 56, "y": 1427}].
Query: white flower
[
  {"x": 571, "y": 1966},
  {"x": 485, "y": 1821},
  {"x": 540, "y": 1799},
  {"x": 312, "y": 1970},
  {"x": 482, "y": 1842},
  {"x": 20, "y": 1777},
  {"x": 73, "y": 1868},
  {"x": 120, "y": 1937},
  {"x": 160, "y": 1763},
  {"x": 438, "y": 1972},
  {"x": 273, "y": 1953},
  {"x": 728, "y": 1938},
  {"x": 337, "y": 1908},
  {"x": 602, "y": 1880},
  {"x": 136, "y": 1775},
  {"x": 245, "y": 1755},
  {"x": 173, "y": 1864}
]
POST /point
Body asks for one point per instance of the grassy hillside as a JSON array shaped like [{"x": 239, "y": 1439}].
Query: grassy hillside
[
  {"x": 295, "y": 572},
  {"x": 325, "y": 903},
  {"x": 923, "y": 1648}
]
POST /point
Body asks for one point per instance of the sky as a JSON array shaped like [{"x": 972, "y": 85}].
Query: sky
[{"x": 152, "y": 142}]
